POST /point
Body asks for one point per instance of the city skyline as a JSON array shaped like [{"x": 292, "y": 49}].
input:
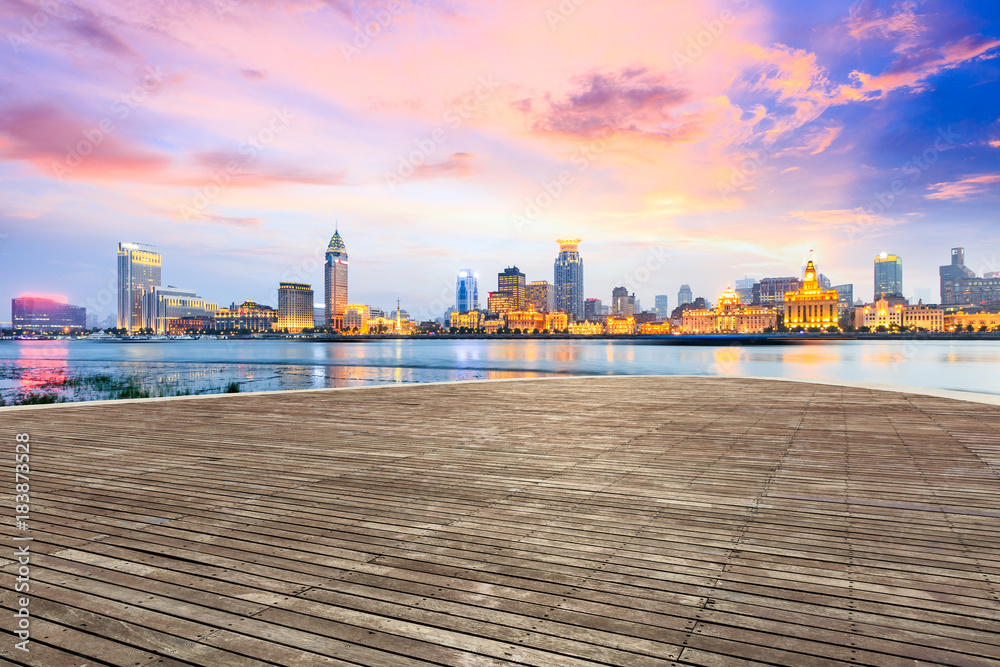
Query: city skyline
[{"x": 730, "y": 133}]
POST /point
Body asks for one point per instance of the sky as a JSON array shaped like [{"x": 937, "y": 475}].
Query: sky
[{"x": 683, "y": 142}]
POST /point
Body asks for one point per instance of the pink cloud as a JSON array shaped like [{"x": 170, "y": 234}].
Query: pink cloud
[
  {"x": 630, "y": 100},
  {"x": 969, "y": 187}
]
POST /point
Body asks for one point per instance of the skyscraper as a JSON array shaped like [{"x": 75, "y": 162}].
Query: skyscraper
[
  {"x": 540, "y": 295},
  {"x": 511, "y": 283},
  {"x": 466, "y": 291},
  {"x": 138, "y": 274},
  {"x": 662, "y": 306},
  {"x": 569, "y": 279},
  {"x": 622, "y": 303},
  {"x": 888, "y": 275},
  {"x": 295, "y": 306},
  {"x": 336, "y": 281},
  {"x": 684, "y": 295},
  {"x": 960, "y": 285}
]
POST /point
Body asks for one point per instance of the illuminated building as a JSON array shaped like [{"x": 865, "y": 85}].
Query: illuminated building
[
  {"x": 684, "y": 295},
  {"x": 540, "y": 295},
  {"x": 526, "y": 320},
  {"x": 655, "y": 328},
  {"x": 586, "y": 328},
  {"x": 166, "y": 304},
  {"x": 744, "y": 288},
  {"x": 960, "y": 285},
  {"x": 961, "y": 321},
  {"x": 888, "y": 275},
  {"x": 772, "y": 291},
  {"x": 295, "y": 307},
  {"x": 185, "y": 324},
  {"x": 500, "y": 302},
  {"x": 845, "y": 300},
  {"x": 729, "y": 316},
  {"x": 356, "y": 317},
  {"x": 335, "y": 268},
  {"x": 492, "y": 326},
  {"x": 46, "y": 314},
  {"x": 569, "y": 279},
  {"x": 381, "y": 325},
  {"x": 558, "y": 321},
  {"x": 470, "y": 320},
  {"x": 893, "y": 314},
  {"x": 622, "y": 303},
  {"x": 467, "y": 291},
  {"x": 621, "y": 325},
  {"x": 511, "y": 284},
  {"x": 248, "y": 315},
  {"x": 138, "y": 274},
  {"x": 811, "y": 306}
]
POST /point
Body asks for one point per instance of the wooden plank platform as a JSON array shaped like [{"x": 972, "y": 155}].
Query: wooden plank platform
[{"x": 614, "y": 521}]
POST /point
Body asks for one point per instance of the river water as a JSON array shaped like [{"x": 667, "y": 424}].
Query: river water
[{"x": 88, "y": 370}]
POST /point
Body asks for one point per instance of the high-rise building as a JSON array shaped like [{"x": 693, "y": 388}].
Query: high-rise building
[
  {"x": 662, "y": 305},
  {"x": 593, "y": 311},
  {"x": 356, "y": 317},
  {"x": 138, "y": 274},
  {"x": 295, "y": 306},
  {"x": 336, "y": 281},
  {"x": 846, "y": 297},
  {"x": 772, "y": 291},
  {"x": 46, "y": 314},
  {"x": 466, "y": 291},
  {"x": 165, "y": 305},
  {"x": 961, "y": 286},
  {"x": 811, "y": 306},
  {"x": 540, "y": 295},
  {"x": 684, "y": 296},
  {"x": 511, "y": 283},
  {"x": 744, "y": 288},
  {"x": 319, "y": 316},
  {"x": 622, "y": 303},
  {"x": 888, "y": 275},
  {"x": 569, "y": 279}
]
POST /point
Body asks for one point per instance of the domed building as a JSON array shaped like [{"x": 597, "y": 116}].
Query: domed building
[{"x": 729, "y": 316}]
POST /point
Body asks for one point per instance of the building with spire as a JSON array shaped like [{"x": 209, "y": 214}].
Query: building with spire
[
  {"x": 811, "y": 306},
  {"x": 731, "y": 315},
  {"x": 335, "y": 267},
  {"x": 569, "y": 279}
]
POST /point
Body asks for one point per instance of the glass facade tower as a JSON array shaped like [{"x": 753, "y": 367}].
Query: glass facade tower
[
  {"x": 138, "y": 274},
  {"x": 336, "y": 282},
  {"x": 569, "y": 279}
]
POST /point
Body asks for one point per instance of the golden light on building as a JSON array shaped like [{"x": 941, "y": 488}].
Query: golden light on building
[
  {"x": 568, "y": 245},
  {"x": 470, "y": 320},
  {"x": 526, "y": 320},
  {"x": 811, "y": 306},
  {"x": 730, "y": 316},
  {"x": 356, "y": 318},
  {"x": 621, "y": 326},
  {"x": 655, "y": 328},
  {"x": 295, "y": 306},
  {"x": 961, "y": 321},
  {"x": 558, "y": 321},
  {"x": 492, "y": 326},
  {"x": 499, "y": 302},
  {"x": 586, "y": 328}
]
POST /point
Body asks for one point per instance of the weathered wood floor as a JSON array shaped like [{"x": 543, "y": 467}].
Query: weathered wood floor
[{"x": 628, "y": 521}]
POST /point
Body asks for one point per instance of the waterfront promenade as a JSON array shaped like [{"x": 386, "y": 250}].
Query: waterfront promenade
[{"x": 600, "y": 520}]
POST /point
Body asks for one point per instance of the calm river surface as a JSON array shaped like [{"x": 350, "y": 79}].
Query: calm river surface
[{"x": 88, "y": 370}]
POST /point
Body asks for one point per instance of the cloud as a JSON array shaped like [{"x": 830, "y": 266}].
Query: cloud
[
  {"x": 253, "y": 223},
  {"x": 253, "y": 74},
  {"x": 457, "y": 165},
  {"x": 969, "y": 187},
  {"x": 629, "y": 100},
  {"x": 67, "y": 146},
  {"x": 850, "y": 220}
]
